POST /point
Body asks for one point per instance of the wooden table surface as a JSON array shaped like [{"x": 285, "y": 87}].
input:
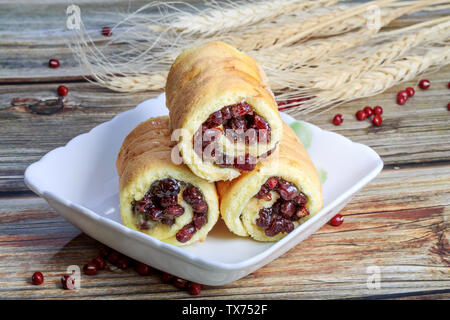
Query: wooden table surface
[{"x": 399, "y": 223}]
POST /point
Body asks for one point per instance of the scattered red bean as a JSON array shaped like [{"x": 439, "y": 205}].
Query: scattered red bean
[
  {"x": 424, "y": 84},
  {"x": 63, "y": 91},
  {"x": 361, "y": 115},
  {"x": 448, "y": 106},
  {"x": 37, "y": 278},
  {"x": 403, "y": 94},
  {"x": 368, "y": 110},
  {"x": 90, "y": 269},
  {"x": 410, "y": 91},
  {"x": 194, "y": 288},
  {"x": 123, "y": 262},
  {"x": 401, "y": 100},
  {"x": 106, "y": 31},
  {"x": 448, "y": 85},
  {"x": 142, "y": 268},
  {"x": 179, "y": 283},
  {"x": 377, "y": 120},
  {"x": 113, "y": 257},
  {"x": 166, "y": 277},
  {"x": 99, "y": 262},
  {"x": 338, "y": 119},
  {"x": 337, "y": 220},
  {"x": 53, "y": 63},
  {"x": 378, "y": 110},
  {"x": 67, "y": 282}
]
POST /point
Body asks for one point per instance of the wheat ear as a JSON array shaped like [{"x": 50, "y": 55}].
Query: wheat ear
[
  {"x": 378, "y": 80},
  {"x": 384, "y": 53},
  {"x": 219, "y": 18}
]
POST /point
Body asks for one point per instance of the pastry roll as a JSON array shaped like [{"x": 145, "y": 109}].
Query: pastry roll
[
  {"x": 158, "y": 197},
  {"x": 281, "y": 193},
  {"x": 220, "y": 99}
]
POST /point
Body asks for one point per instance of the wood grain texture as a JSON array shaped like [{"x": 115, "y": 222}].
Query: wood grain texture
[
  {"x": 409, "y": 243},
  {"x": 399, "y": 222}
]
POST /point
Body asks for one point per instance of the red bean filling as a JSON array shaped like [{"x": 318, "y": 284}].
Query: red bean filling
[
  {"x": 289, "y": 207},
  {"x": 160, "y": 204},
  {"x": 240, "y": 123}
]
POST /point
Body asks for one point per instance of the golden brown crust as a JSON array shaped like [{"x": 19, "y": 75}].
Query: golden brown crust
[
  {"x": 291, "y": 163},
  {"x": 145, "y": 157},
  {"x": 205, "y": 79},
  {"x": 152, "y": 135}
]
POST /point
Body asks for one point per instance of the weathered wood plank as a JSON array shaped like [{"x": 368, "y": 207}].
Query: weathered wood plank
[
  {"x": 26, "y": 46},
  {"x": 387, "y": 225}
]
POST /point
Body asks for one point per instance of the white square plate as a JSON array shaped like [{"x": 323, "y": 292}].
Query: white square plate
[{"x": 80, "y": 181}]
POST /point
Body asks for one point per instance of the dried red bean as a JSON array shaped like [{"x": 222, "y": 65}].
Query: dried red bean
[
  {"x": 287, "y": 190},
  {"x": 200, "y": 207},
  {"x": 275, "y": 227},
  {"x": 179, "y": 283},
  {"x": 361, "y": 115},
  {"x": 338, "y": 119},
  {"x": 199, "y": 220},
  {"x": 368, "y": 110},
  {"x": 142, "y": 268},
  {"x": 287, "y": 208},
  {"x": 215, "y": 119},
  {"x": 192, "y": 195},
  {"x": 377, "y": 120},
  {"x": 123, "y": 262},
  {"x": 272, "y": 183},
  {"x": 185, "y": 234},
  {"x": 37, "y": 278},
  {"x": 337, "y": 220},
  {"x": 245, "y": 163},
  {"x": 68, "y": 283},
  {"x": 410, "y": 91},
  {"x": 378, "y": 110},
  {"x": 402, "y": 94},
  {"x": 175, "y": 211},
  {"x": 424, "y": 84},
  {"x": 106, "y": 31},
  {"x": 240, "y": 109},
  {"x": 62, "y": 91},
  {"x": 168, "y": 201},
  {"x": 53, "y": 63},
  {"x": 301, "y": 199},
  {"x": 99, "y": 262},
  {"x": 302, "y": 212},
  {"x": 90, "y": 269},
  {"x": 401, "y": 100},
  {"x": 265, "y": 218},
  {"x": 166, "y": 277},
  {"x": 113, "y": 257},
  {"x": 194, "y": 288}
]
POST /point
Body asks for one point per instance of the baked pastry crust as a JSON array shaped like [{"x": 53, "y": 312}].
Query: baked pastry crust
[
  {"x": 201, "y": 81},
  {"x": 145, "y": 156},
  {"x": 239, "y": 209}
]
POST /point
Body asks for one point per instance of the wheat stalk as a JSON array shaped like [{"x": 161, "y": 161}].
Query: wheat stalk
[
  {"x": 344, "y": 21},
  {"x": 352, "y": 68},
  {"x": 223, "y": 17},
  {"x": 376, "y": 81}
]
